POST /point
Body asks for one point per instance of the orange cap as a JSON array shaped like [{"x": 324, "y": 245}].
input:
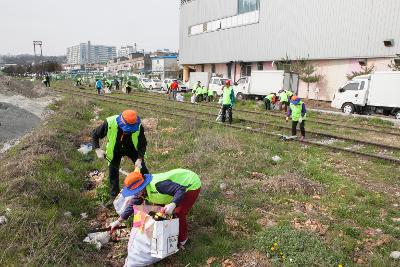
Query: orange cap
[
  {"x": 129, "y": 116},
  {"x": 133, "y": 180},
  {"x": 295, "y": 97}
]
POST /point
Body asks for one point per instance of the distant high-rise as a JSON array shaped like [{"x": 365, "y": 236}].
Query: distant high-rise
[
  {"x": 86, "y": 53},
  {"x": 124, "y": 51}
]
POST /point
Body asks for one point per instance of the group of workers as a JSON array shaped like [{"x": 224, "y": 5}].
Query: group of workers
[
  {"x": 176, "y": 190},
  {"x": 203, "y": 93},
  {"x": 293, "y": 107}
]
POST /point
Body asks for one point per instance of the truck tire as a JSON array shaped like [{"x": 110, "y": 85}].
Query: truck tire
[
  {"x": 240, "y": 96},
  {"x": 397, "y": 115},
  {"x": 348, "y": 108}
]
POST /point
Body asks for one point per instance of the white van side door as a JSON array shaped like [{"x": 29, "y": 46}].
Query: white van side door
[
  {"x": 360, "y": 96},
  {"x": 242, "y": 86}
]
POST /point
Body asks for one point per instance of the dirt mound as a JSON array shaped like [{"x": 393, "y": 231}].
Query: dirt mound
[
  {"x": 10, "y": 86},
  {"x": 293, "y": 183}
]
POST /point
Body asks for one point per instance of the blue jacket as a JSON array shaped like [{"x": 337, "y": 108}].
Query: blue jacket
[{"x": 99, "y": 85}]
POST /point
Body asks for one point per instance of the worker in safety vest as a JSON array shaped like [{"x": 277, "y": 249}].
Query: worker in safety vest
[
  {"x": 204, "y": 91},
  {"x": 198, "y": 92},
  {"x": 270, "y": 100},
  {"x": 210, "y": 95},
  {"x": 284, "y": 100},
  {"x": 128, "y": 87},
  {"x": 289, "y": 94},
  {"x": 228, "y": 99},
  {"x": 125, "y": 137},
  {"x": 297, "y": 110},
  {"x": 177, "y": 190},
  {"x": 109, "y": 84}
]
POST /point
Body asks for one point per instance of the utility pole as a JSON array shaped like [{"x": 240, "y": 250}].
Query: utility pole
[{"x": 38, "y": 43}]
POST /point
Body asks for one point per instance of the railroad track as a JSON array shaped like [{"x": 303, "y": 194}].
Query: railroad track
[
  {"x": 377, "y": 128},
  {"x": 146, "y": 106}
]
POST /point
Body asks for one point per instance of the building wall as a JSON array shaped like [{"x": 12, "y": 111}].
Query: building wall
[{"x": 329, "y": 29}]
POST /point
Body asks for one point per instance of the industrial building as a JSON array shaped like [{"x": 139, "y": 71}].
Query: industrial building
[
  {"x": 86, "y": 53},
  {"x": 230, "y": 38}
]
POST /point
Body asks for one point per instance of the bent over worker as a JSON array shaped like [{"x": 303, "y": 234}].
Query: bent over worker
[
  {"x": 297, "y": 110},
  {"x": 177, "y": 190},
  {"x": 125, "y": 137}
]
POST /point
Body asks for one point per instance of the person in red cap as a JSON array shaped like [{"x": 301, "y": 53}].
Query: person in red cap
[
  {"x": 177, "y": 190},
  {"x": 228, "y": 99},
  {"x": 125, "y": 137}
]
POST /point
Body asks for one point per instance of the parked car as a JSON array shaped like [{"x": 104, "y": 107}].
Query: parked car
[
  {"x": 150, "y": 83},
  {"x": 182, "y": 86}
]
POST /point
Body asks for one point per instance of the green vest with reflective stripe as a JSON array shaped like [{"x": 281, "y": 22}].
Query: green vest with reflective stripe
[
  {"x": 183, "y": 177},
  {"x": 296, "y": 111},
  {"x": 205, "y": 90},
  {"x": 112, "y": 133},
  {"x": 226, "y": 98},
  {"x": 210, "y": 92},
  {"x": 198, "y": 90}
]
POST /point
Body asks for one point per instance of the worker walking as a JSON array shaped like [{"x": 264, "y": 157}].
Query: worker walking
[
  {"x": 297, "y": 110},
  {"x": 125, "y": 137},
  {"x": 270, "y": 100},
  {"x": 228, "y": 99},
  {"x": 173, "y": 89},
  {"x": 177, "y": 190}
]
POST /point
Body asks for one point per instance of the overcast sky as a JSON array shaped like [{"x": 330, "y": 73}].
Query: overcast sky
[{"x": 152, "y": 24}]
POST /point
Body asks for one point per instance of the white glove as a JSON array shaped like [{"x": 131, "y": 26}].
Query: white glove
[
  {"x": 100, "y": 153},
  {"x": 168, "y": 209},
  {"x": 138, "y": 163},
  {"x": 301, "y": 120},
  {"x": 114, "y": 225}
]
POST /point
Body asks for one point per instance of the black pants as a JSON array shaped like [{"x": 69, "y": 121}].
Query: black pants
[
  {"x": 210, "y": 98},
  {"x": 128, "y": 90},
  {"x": 226, "y": 108},
  {"x": 117, "y": 86},
  {"x": 267, "y": 104},
  {"x": 302, "y": 129},
  {"x": 199, "y": 98},
  {"x": 114, "y": 172}
]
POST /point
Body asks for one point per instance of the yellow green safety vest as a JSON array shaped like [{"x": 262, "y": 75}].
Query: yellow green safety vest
[
  {"x": 183, "y": 177},
  {"x": 226, "y": 98},
  {"x": 198, "y": 90},
  {"x": 112, "y": 136},
  {"x": 296, "y": 111},
  {"x": 269, "y": 97},
  {"x": 210, "y": 92},
  {"x": 283, "y": 97}
]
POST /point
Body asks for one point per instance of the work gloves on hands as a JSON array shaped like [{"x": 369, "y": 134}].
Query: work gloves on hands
[
  {"x": 301, "y": 120},
  {"x": 100, "y": 153},
  {"x": 169, "y": 209},
  {"x": 114, "y": 226},
  {"x": 138, "y": 163},
  {"x": 287, "y": 119}
]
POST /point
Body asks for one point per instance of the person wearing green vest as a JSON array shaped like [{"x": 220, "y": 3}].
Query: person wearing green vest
[
  {"x": 204, "y": 92},
  {"x": 270, "y": 100},
  {"x": 228, "y": 99},
  {"x": 284, "y": 100},
  {"x": 177, "y": 190},
  {"x": 210, "y": 95},
  {"x": 199, "y": 92},
  {"x": 297, "y": 110},
  {"x": 125, "y": 137}
]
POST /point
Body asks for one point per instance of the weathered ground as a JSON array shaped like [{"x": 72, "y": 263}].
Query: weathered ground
[{"x": 314, "y": 207}]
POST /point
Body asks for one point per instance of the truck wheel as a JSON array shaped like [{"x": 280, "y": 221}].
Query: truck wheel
[
  {"x": 240, "y": 96},
  {"x": 348, "y": 108},
  {"x": 398, "y": 115}
]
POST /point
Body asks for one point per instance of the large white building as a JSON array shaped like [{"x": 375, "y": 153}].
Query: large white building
[
  {"x": 86, "y": 53},
  {"x": 125, "y": 51},
  {"x": 233, "y": 37}
]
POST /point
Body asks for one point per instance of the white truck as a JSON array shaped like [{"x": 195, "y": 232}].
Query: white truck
[
  {"x": 203, "y": 77},
  {"x": 377, "y": 93},
  {"x": 262, "y": 83}
]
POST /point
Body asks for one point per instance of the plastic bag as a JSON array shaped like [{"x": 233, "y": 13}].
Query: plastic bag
[
  {"x": 121, "y": 202},
  {"x": 84, "y": 149}
]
